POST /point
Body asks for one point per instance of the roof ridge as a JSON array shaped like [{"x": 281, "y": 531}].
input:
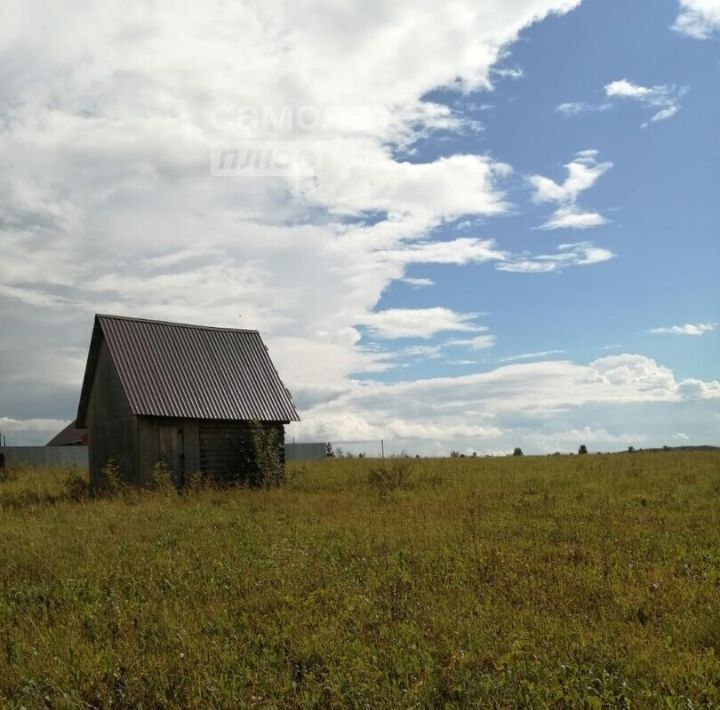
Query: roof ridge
[{"x": 176, "y": 324}]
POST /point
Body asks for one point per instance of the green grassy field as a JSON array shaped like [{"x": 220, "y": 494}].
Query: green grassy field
[{"x": 518, "y": 582}]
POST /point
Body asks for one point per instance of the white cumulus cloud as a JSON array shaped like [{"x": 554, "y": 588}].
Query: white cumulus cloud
[
  {"x": 698, "y": 18},
  {"x": 582, "y": 173},
  {"x": 512, "y": 404},
  {"x": 110, "y": 119}
]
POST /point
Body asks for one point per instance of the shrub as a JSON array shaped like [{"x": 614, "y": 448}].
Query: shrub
[
  {"x": 259, "y": 458},
  {"x": 161, "y": 479},
  {"x": 77, "y": 487},
  {"x": 7, "y": 475},
  {"x": 296, "y": 474},
  {"x": 389, "y": 476},
  {"x": 111, "y": 481},
  {"x": 269, "y": 457},
  {"x": 517, "y": 451},
  {"x": 195, "y": 482}
]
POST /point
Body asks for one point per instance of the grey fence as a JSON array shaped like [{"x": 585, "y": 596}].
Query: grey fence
[
  {"x": 60, "y": 456},
  {"x": 49, "y": 456},
  {"x": 305, "y": 452}
]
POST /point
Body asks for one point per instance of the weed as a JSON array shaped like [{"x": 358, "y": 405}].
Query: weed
[
  {"x": 390, "y": 475},
  {"x": 162, "y": 481},
  {"x": 111, "y": 480},
  {"x": 7, "y": 475},
  {"x": 77, "y": 486},
  {"x": 195, "y": 482}
]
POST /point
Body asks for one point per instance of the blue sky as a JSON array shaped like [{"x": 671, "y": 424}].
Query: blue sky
[
  {"x": 507, "y": 233},
  {"x": 660, "y": 197}
]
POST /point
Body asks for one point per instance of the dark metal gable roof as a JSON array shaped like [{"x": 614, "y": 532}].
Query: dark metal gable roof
[
  {"x": 189, "y": 371},
  {"x": 69, "y": 436}
]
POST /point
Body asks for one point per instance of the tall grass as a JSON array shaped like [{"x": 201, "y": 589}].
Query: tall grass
[{"x": 517, "y": 582}]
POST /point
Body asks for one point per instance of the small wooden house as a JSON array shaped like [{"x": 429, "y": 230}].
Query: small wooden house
[{"x": 191, "y": 397}]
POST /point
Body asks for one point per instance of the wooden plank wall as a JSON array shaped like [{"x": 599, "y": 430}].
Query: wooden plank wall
[{"x": 111, "y": 425}]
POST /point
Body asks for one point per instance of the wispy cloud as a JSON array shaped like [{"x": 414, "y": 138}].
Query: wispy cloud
[
  {"x": 573, "y": 108},
  {"x": 686, "y": 329},
  {"x": 457, "y": 251},
  {"x": 573, "y": 218},
  {"x": 579, "y": 254},
  {"x": 418, "y": 282},
  {"x": 417, "y": 322},
  {"x": 509, "y": 73},
  {"x": 479, "y": 342},
  {"x": 698, "y": 18},
  {"x": 582, "y": 173},
  {"x": 421, "y": 351},
  {"x": 435, "y": 351},
  {"x": 531, "y": 356},
  {"x": 665, "y": 99}
]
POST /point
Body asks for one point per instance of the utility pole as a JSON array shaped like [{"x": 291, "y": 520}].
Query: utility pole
[{"x": 382, "y": 448}]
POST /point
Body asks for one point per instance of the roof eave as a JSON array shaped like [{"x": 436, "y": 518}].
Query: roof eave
[{"x": 91, "y": 363}]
